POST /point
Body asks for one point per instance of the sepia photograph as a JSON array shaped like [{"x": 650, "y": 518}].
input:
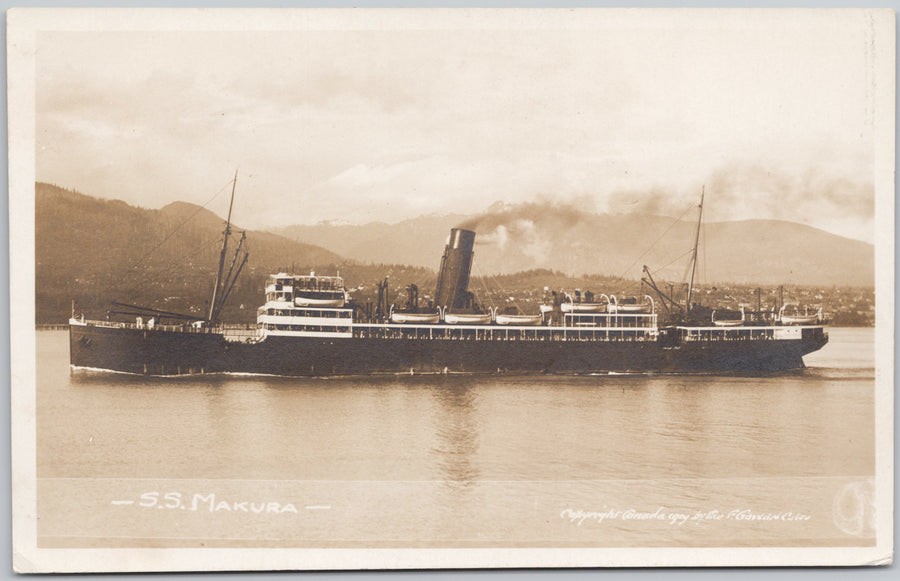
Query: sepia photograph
[{"x": 311, "y": 289}]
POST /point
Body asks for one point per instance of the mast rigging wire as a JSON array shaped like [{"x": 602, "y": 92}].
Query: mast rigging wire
[
  {"x": 655, "y": 242},
  {"x": 177, "y": 228}
]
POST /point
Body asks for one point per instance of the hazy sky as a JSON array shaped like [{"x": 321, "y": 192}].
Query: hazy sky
[{"x": 612, "y": 112}]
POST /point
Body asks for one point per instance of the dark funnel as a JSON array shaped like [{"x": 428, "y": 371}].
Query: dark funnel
[{"x": 456, "y": 264}]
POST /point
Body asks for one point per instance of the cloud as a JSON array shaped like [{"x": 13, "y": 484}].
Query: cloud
[
  {"x": 761, "y": 191},
  {"x": 814, "y": 195},
  {"x": 364, "y": 125}
]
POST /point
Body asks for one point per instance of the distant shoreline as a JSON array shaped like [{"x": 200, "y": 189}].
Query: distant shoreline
[
  {"x": 51, "y": 327},
  {"x": 65, "y": 327}
]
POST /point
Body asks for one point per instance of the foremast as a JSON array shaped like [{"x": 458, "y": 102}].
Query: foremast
[
  {"x": 694, "y": 253},
  {"x": 224, "y": 285}
]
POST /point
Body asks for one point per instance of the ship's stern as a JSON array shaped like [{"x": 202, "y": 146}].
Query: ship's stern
[{"x": 813, "y": 339}]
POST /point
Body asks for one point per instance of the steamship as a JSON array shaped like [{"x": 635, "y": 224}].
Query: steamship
[{"x": 309, "y": 326}]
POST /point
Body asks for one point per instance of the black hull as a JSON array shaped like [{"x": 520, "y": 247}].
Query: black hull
[{"x": 160, "y": 352}]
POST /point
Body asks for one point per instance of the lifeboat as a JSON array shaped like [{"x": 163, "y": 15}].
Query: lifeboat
[
  {"x": 318, "y": 302},
  {"x": 631, "y": 306},
  {"x": 805, "y": 320},
  {"x": 583, "y": 307},
  {"x": 635, "y": 308},
  {"x": 320, "y": 298},
  {"x": 799, "y": 319},
  {"x": 467, "y": 318},
  {"x": 420, "y": 318},
  {"x": 529, "y": 320},
  {"x": 728, "y": 322}
]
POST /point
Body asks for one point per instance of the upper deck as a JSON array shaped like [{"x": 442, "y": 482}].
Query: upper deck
[
  {"x": 292, "y": 282},
  {"x": 286, "y": 319},
  {"x": 314, "y": 306},
  {"x": 306, "y": 289}
]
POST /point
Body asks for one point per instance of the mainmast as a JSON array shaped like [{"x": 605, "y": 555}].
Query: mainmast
[
  {"x": 694, "y": 255},
  {"x": 213, "y": 310}
]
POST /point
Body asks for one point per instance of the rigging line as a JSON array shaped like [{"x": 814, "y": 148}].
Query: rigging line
[
  {"x": 515, "y": 302},
  {"x": 416, "y": 277},
  {"x": 687, "y": 268},
  {"x": 705, "y": 271},
  {"x": 177, "y": 228},
  {"x": 502, "y": 292},
  {"x": 127, "y": 285},
  {"x": 655, "y": 242},
  {"x": 481, "y": 278},
  {"x": 180, "y": 264},
  {"x": 676, "y": 259}
]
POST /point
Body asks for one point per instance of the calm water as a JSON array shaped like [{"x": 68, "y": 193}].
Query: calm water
[{"x": 458, "y": 460}]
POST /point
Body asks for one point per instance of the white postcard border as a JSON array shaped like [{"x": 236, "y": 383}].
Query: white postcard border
[{"x": 23, "y": 25}]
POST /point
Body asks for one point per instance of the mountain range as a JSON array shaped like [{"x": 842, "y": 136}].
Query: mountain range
[
  {"x": 512, "y": 238},
  {"x": 96, "y": 251}
]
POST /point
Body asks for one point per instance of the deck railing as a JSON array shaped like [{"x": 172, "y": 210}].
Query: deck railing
[{"x": 241, "y": 330}]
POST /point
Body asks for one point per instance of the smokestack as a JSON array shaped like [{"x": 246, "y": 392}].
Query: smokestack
[{"x": 456, "y": 264}]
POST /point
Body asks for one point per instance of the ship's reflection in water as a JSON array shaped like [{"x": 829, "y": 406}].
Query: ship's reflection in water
[{"x": 456, "y": 431}]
